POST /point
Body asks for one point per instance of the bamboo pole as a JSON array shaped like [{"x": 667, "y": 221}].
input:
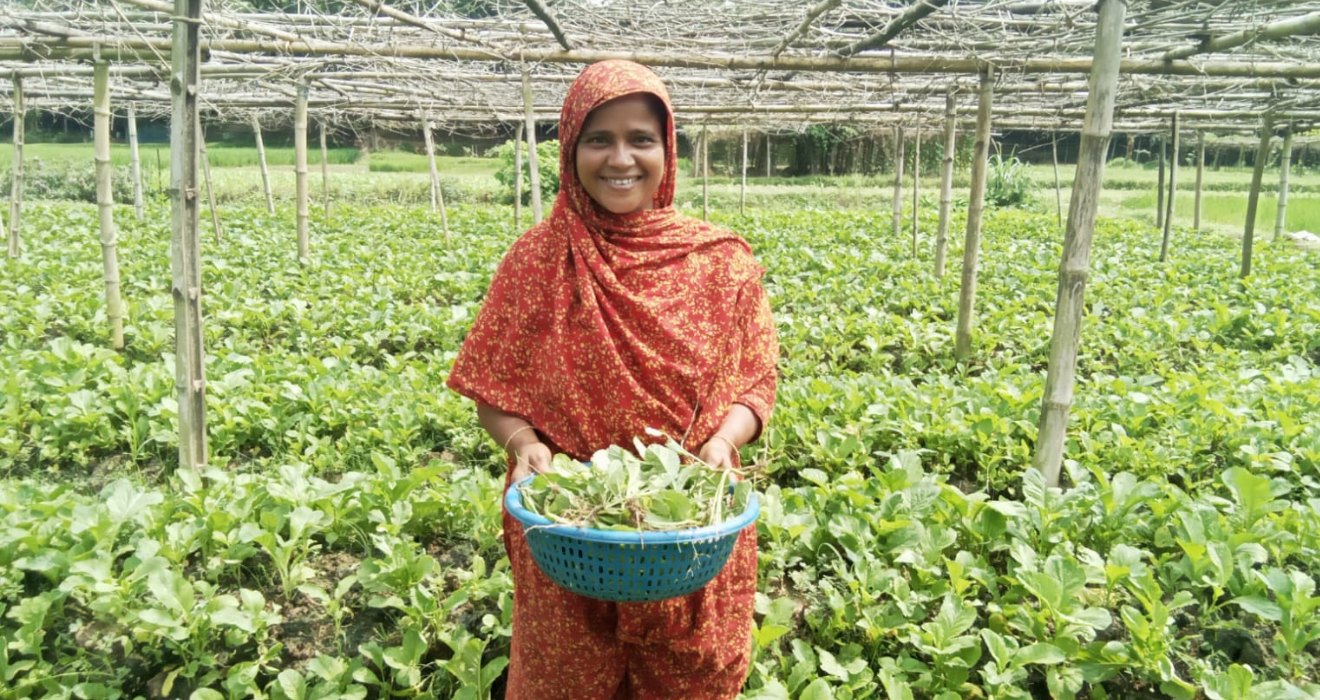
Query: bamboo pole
[
  {"x": 1058, "y": 189},
  {"x": 769, "y": 157},
  {"x": 1173, "y": 192},
  {"x": 261, "y": 159},
  {"x": 531, "y": 146},
  {"x": 300, "y": 167},
  {"x": 325, "y": 174},
  {"x": 1075, "y": 265},
  {"x": 135, "y": 160},
  {"x": 206, "y": 172},
  {"x": 916, "y": 187},
  {"x": 1200, "y": 173},
  {"x": 16, "y": 186},
  {"x": 742, "y": 195},
  {"x": 517, "y": 177},
  {"x": 975, "y": 207},
  {"x": 186, "y": 284},
  {"x": 1285, "y": 165},
  {"x": 437, "y": 195},
  {"x": 1253, "y": 200},
  {"x": 705, "y": 174},
  {"x": 1159, "y": 190},
  {"x": 946, "y": 182},
  {"x": 105, "y": 203},
  {"x": 898, "y": 181}
]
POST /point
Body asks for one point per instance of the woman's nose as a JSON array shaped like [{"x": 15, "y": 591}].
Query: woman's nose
[{"x": 620, "y": 154}]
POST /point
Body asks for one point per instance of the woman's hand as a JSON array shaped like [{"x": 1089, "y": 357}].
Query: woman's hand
[
  {"x": 717, "y": 452},
  {"x": 532, "y": 457}
]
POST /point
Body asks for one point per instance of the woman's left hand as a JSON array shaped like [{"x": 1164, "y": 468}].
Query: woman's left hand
[{"x": 718, "y": 453}]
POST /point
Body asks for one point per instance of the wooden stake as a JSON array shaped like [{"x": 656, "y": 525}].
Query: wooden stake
[
  {"x": 535, "y": 171},
  {"x": 1285, "y": 165},
  {"x": 210, "y": 190},
  {"x": 1058, "y": 189},
  {"x": 261, "y": 158},
  {"x": 300, "y": 167},
  {"x": 16, "y": 186},
  {"x": 705, "y": 174},
  {"x": 437, "y": 194},
  {"x": 517, "y": 177},
  {"x": 186, "y": 285},
  {"x": 1253, "y": 199},
  {"x": 325, "y": 174},
  {"x": 976, "y": 205},
  {"x": 898, "y": 181},
  {"x": 105, "y": 203},
  {"x": 135, "y": 161},
  {"x": 916, "y": 186},
  {"x": 1200, "y": 172},
  {"x": 1173, "y": 192},
  {"x": 742, "y": 196},
  {"x": 1159, "y": 190},
  {"x": 769, "y": 157},
  {"x": 1075, "y": 266},
  {"x": 946, "y": 182}
]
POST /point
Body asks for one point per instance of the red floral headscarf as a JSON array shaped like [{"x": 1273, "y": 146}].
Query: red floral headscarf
[{"x": 599, "y": 325}]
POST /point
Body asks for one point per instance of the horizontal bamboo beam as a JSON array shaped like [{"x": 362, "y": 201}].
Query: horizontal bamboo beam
[
  {"x": 153, "y": 49},
  {"x": 880, "y": 39},
  {"x": 1306, "y": 24}
]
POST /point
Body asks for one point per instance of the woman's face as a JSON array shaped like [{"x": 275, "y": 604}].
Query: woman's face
[{"x": 621, "y": 154}]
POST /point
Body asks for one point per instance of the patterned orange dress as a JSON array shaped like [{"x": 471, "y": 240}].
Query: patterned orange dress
[{"x": 597, "y": 326}]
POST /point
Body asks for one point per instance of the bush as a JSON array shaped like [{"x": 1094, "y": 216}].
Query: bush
[
  {"x": 547, "y": 154},
  {"x": 69, "y": 180},
  {"x": 1008, "y": 183}
]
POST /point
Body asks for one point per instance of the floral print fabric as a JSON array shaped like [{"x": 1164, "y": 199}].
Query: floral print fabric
[{"x": 597, "y": 326}]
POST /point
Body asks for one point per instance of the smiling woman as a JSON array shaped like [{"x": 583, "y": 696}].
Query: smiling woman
[{"x": 621, "y": 153}]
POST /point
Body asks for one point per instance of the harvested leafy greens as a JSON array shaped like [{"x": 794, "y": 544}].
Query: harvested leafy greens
[{"x": 665, "y": 488}]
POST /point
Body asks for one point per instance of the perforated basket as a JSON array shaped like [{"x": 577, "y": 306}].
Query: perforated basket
[{"x": 628, "y": 567}]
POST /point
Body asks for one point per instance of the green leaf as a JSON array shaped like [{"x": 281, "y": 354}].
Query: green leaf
[
  {"x": 1259, "y": 606},
  {"x": 1040, "y": 653},
  {"x": 819, "y": 689}
]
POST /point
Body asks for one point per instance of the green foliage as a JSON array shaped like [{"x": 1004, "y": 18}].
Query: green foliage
[
  {"x": 68, "y": 180},
  {"x": 547, "y": 154},
  {"x": 1008, "y": 183}
]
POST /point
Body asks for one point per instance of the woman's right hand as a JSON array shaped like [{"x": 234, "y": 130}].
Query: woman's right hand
[{"x": 533, "y": 457}]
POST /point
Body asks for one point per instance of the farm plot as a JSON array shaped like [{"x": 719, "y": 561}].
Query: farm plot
[{"x": 346, "y": 541}]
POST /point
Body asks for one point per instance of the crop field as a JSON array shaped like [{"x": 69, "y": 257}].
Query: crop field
[{"x": 345, "y": 542}]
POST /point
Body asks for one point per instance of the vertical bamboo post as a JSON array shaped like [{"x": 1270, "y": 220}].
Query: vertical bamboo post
[
  {"x": 769, "y": 157},
  {"x": 261, "y": 159},
  {"x": 105, "y": 201},
  {"x": 1076, "y": 262},
  {"x": 206, "y": 172},
  {"x": 946, "y": 182},
  {"x": 1173, "y": 191},
  {"x": 531, "y": 146},
  {"x": 975, "y": 206},
  {"x": 16, "y": 186},
  {"x": 300, "y": 167},
  {"x": 135, "y": 160},
  {"x": 1058, "y": 189},
  {"x": 1285, "y": 165},
  {"x": 1200, "y": 173},
  {"x": 898, "y": 181},
  {"x": 742, "y": 196},
  {"x": 186, "y": 285},
  {"x": 517, "y": 177},
  {"x": 325, "y": 174},
  {"x": 1253, "y": 199},
  {"x": 437, "y": 194},
  {"x": 916, "y": 186},
  {"x": 705, "y": 174},
  {"x": 1159, "y": 190},
  {"x": 696, "y": 155}
]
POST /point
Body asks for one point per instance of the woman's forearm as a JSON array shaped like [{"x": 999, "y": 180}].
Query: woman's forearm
[
  {"x": 740, "y": 425},
  {"x": 510, "y": 431}
]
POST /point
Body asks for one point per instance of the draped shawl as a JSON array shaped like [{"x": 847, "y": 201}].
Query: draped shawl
[{"x": 597, "y": 325}]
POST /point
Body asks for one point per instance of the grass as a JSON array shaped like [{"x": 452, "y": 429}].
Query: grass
[
  {"x": 1229, "y": 209},
  {"x": 459, "y": 166}
]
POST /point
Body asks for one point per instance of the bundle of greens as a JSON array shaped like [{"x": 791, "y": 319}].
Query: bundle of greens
[{"x": 665, "y": 488}]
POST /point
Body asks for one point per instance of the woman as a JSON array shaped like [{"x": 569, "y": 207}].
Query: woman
[{"x": 617, "y": 314}]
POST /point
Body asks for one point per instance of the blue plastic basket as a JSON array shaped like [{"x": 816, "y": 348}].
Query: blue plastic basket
[{"x": 628, "y": 567}]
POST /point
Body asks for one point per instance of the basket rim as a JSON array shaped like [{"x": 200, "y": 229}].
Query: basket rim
[{"x": 513, "y": 504}]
